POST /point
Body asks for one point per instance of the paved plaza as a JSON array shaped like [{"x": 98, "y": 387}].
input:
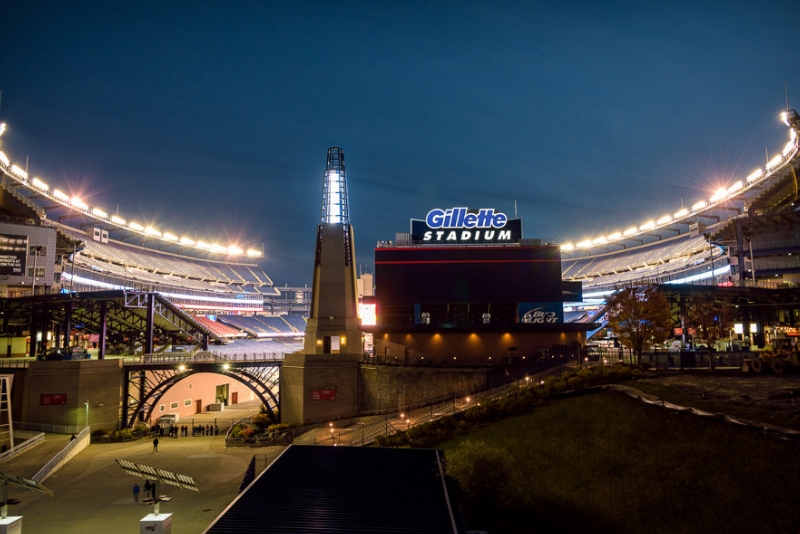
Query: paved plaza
[{"x": 94, "y": 495}]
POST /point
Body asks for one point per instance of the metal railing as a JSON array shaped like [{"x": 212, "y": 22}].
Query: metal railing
[
  {"x": 50, "y": 429},
  {"x": 81, "y": 441},
  {"x": 22, "y": 447}
]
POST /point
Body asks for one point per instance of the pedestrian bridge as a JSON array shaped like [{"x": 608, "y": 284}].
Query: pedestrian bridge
[{"x": 148, "y": 379}]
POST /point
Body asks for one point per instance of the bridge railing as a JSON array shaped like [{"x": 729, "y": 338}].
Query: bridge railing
[{"x": 205, "y": 357}]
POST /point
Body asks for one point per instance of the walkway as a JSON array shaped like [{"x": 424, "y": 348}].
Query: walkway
[{"x": 93, "y": 495}]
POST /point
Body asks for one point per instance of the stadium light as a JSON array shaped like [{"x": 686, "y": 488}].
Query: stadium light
[
  {"x": 187, "y": 241},
  {"x": 253, "y": 253},
  {"x": 771, "y": 164},
  {"x": 755, "y": 175},
  {"x": 599, "y": 241},
  {"x": 785, "y": 118},
  {"x": 630, "y": 231},
  {"x": 233, "y": 250},
  {"x": 135, "y": 226},
  {"x": 152, "y": 231},
  {"x": 614, "y": 236},
  {"x": 97, "y": 212},
  {"x": 584, "y": 244},
  {"x": 169, "y": 237},
  {"x": 735, "y": 187},
  {"x": 567, "y": 247},
  {"x": 698, "y": 206},
  {"x": 118, "y": 220},
  {"x": 2, "y": 128},
  {"x": 719, "y": 195},
  {"x": 60, "y": 196},
  {"x": 683, "y": 212},
  {"x": 5, "y": 159},
  {"x": 38, "y": 184},
  {"x": 647, "y": 226},
  {"x": 788, "y": 148},
  {"x": 203, "y": 245},
  {"x": 664, "y": 220},
  {"x": 216, "y": 247},
  {"x": 19, "y": 172},
  {"x": 78, "y": 203}
]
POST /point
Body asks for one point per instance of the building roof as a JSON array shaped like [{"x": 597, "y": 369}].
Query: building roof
[{"x": 316, "y": 489}]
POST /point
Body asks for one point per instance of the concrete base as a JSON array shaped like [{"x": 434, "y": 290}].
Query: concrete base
[
  {"x": 11, "y": 525},
  {"x": 156, "y": 524},
  {"x": 317, "y": 388},
  {"x": 216, "y": 407}
]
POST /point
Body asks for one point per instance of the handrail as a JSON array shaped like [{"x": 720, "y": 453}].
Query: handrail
[
  {"x": 24, "y": 446},
  {"x": 74, "y": 446}
]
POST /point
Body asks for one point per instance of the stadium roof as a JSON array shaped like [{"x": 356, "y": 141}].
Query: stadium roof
[{"x": 313, "y": 489}]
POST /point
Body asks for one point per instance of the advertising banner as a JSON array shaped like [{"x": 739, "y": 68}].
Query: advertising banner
[
  {"x": 541, "y": 312},
  {"x": 13, "y": 254}
]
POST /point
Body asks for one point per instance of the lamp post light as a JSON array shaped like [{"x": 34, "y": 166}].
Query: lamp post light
[{"x": 87, "y": 413}]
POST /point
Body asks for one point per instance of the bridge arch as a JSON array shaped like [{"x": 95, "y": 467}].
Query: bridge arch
[{"x": 147, "y": 384}]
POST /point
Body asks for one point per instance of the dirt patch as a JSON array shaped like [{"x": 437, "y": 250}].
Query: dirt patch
[{"x": 767, "y": 398}]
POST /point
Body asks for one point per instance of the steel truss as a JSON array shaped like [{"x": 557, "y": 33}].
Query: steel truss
[{"x": 146, "y": 385}]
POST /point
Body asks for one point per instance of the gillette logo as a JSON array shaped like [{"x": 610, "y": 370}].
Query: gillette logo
[{"x": 460, "y": 218}]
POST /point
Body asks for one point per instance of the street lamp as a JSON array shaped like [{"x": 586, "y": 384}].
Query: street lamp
[{"x": 87, "y": 413}]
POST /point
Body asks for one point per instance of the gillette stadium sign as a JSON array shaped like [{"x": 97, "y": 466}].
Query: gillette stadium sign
[{"x": 463, "y": 226}]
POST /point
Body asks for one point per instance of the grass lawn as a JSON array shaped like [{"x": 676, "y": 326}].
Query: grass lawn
[{"x": 607, "y": 463}]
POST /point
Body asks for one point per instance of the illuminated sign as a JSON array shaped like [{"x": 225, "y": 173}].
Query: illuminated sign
[
  {"x": 463, "y": 226},
  {"x": 541, "y": 312},
  {"x": 462, "y": 218}
]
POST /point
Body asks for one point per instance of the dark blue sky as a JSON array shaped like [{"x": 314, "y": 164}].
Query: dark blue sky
[{"x": 214, "y": 118}]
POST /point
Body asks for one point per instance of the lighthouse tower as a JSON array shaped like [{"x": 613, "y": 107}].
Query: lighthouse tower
[{"x": 321, "y": 383}]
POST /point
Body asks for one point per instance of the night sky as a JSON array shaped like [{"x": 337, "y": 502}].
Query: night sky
[{"x": 213, "y": 118}]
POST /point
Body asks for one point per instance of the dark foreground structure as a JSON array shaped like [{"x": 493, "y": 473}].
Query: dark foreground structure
[{"x": 345, "y": 490}]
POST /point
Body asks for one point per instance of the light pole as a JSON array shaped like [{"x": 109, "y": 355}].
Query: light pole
[{"x": 87, "y": 413}]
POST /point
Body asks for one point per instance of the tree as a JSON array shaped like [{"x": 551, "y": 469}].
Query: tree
[
  {"x": 711, "y": 319},
  {"x": 639, "y": 316}
]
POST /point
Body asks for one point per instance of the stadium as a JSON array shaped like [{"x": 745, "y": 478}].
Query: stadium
[{"x": 74, "y": 275}]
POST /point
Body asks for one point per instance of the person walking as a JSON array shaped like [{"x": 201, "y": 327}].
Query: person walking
[
  {"x": 155, "y": 444},
  {"x": 136, "y": 492}
]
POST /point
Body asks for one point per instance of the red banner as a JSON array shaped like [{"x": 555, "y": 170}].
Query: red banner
[
  {"x": 53, "y": 399},
  {"x": 323, "y": 394}
]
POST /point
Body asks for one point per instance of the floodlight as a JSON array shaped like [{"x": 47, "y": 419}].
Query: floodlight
[
  {"x": 614, "y": 236},
  {"x": 584, "y": 244},
  {"x": 19, "y": 172},
  {"x": 136, "y": 226},
  {"x": 216, "y": 247},
  {"x": 38, "y": 184},
  {"x": 683, "y": 212},
  {"x": 203, "y": 245},
  {"x": 785, "y": 118},
  {"x": 118, "y": 220},
  {"x": 664, "y": 220},
  {"x": 152, "y": 231},
  {"x": 647, "y": 226},
  {"x": 78, "y": 203},
  {"x": 97, "y": 212},
  {"x": 630, "y": 231},
  {"x": 599, "y": 240},
  {"x": 60, "y": 195},
  {"x": 253, "y": 253},
  {"x": 2, "y": 128},
  {"x": 735, "y": 187},
  {"x": 788, "y": 148},
  {"x": 567, "y": 247},
  {"x": 5, "y": 159},
  {"x": 755, "y": 175},
  {"x": 233, "y": 250},
  {"x": 169, "y": 237},
  {"x": 719, "y": 195},
  {"x": 698, "y": 206},
  {"x": 187, "y": 241},
  {"x": 774, "y": 162}
]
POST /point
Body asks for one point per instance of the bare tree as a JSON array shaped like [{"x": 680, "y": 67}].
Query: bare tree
[{"x": 639, "y": 316}]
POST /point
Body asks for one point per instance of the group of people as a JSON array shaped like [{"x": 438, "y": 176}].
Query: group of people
[
  {"x": 149, "y": 490},
  {"x": 182, "y": 431}
]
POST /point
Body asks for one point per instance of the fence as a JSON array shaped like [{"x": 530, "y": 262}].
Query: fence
[
  {"x": 50, "y": 429},
  {"x": 668, "y": 359}
]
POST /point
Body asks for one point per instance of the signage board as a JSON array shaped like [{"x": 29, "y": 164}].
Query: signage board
[
  {"x": 53, "y": 399},
  {"x": 13, "y": 254},
  {"x": 322, "y": 394},
  {"x": 541, "y": 312},
  {"x": 464, "y": 226}
]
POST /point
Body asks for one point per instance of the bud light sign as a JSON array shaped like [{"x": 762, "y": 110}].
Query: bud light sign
[{"x": 462, "y": 226}]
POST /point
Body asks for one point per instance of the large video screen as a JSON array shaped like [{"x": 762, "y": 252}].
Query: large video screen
[{"x": 467, "y": 274}]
